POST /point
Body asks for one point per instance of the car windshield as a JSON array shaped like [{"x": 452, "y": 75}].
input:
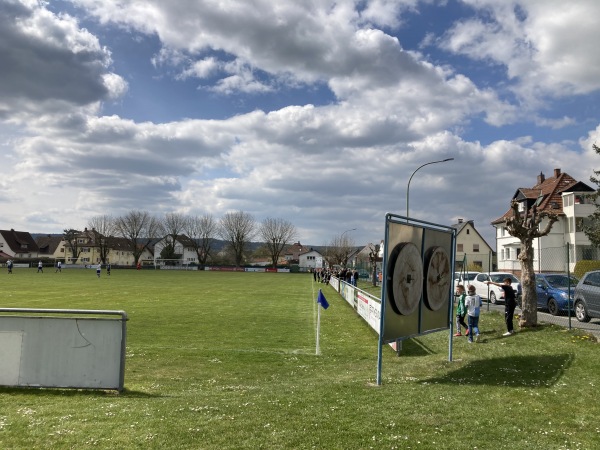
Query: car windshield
[
  {"x": 470, "y": 276},
  {"x": 560, "y": 280},
  {"x": 499, "y": 277}
]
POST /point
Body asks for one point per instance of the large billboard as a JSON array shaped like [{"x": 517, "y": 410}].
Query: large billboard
[{"x": 417, "y": 278}]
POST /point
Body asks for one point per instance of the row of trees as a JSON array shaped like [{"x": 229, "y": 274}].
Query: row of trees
[{"x": 140, "y": 229}]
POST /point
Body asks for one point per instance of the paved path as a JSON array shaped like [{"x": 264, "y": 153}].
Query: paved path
[{"x": 593, "y": 326}]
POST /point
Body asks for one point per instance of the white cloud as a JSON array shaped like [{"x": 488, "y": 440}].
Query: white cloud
[
  {"x": 546, "y": 46},
  {"x": 345, "y": 161}
]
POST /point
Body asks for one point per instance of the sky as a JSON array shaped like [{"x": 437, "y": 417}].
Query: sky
[{"x": 313, "y": 111}]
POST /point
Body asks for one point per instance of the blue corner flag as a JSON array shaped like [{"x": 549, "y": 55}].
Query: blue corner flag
[{"x": 321, "y": 300}]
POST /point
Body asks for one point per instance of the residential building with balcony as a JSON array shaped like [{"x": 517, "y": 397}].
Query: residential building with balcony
[{"x": 566, "y": 243}]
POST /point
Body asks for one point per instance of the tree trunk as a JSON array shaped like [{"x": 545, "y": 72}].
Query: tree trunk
[{"x": 529, "y": 301}]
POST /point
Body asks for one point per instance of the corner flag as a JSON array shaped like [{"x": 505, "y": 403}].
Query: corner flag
[{"x": 321, "y": 300}]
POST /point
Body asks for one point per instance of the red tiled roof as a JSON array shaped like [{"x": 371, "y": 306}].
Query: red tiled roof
[{"x": 550, "y": 189}]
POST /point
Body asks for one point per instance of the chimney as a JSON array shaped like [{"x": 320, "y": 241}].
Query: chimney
[
  {"x": 541, "y": 178},
  {"x": 556, "y": 173},
  {"x": 460, "y": 220}
]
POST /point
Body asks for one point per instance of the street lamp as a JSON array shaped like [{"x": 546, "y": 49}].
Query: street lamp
[
  {"x": 423, "y": 165},
  {"x": 342, "y": 237}
]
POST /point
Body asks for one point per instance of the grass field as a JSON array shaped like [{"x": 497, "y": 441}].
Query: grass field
[{"x": 227, "y": 360}]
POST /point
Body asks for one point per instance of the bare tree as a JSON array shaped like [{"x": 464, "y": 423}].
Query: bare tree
[
  {"x": 237, "y": 228},
  {"x": 138, "y": 228},
  {"x": 276, "y": 233},
  {"x": 103, "y": 229},
  {"x": 373, "y": 259},
  {"x": 328, "y": 255},
  {"x": 202, "y": 231},
  {"x": 526, "y": 227},
  {"x": 171, "y": 226},
  {"x": 341, "y": 247},
  {"x": 70, "y": 235}
]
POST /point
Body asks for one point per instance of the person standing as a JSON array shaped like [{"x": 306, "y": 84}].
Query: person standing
[
  {"x": 510, "y": 303},
  {"x": 58, "y": 267},
  {"x": 10, "y": 265},
  {"x": 461, "y": 310},
  {"x": 108, "y": 269},
  {"x": 98, "y": 269},
  {"x": 40, "y": 267},
  {"x": 473, "y": 305}
]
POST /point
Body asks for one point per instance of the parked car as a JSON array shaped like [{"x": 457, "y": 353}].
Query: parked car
[
  {"x": 496, "y": 292},
  {"x": 587, "y": 297},
  {"x": 364, "y": 274},
  {"x": 464, "y": 278},
  {"x": 555, "y": 291}
]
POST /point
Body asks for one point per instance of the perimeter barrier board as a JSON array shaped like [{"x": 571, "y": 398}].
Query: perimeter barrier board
[{"x": 62, "y": 348}]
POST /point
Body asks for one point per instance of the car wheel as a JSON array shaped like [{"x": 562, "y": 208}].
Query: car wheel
[
  {"x": 580, "y": 312},
  {"x": 553, "y": 307},
  {"x": 493, "y": 299}
]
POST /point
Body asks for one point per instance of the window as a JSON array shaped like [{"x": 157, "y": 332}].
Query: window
[
  {"x": 459, "y": 248},
  {"x": 468, "y": 231},
  {"x": 568, "y": 200},
  {"x": 508, "y": 253},
  {"x": 476, "y": 248}
]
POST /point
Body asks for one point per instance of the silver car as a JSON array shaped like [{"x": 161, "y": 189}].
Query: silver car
[
  {"x": 587, "y": 297},
  {"x": 496, "y": 293}
]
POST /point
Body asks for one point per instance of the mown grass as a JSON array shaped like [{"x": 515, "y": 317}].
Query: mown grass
[{"x": 227, "y": 360}]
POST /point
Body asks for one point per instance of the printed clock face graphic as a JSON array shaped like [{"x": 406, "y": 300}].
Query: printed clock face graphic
[
  {"x": 437, "y": 278},
  {"x": 405, "y": 285}
]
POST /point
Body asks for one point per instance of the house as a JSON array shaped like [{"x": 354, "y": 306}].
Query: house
[
  {"x": 560, "y": 194},
  {"x": 311, "y": 259},
  {"x": 472, "y": 248},
  {"x": 18, "y": 244},
  {"x": 361, "y": 256},
  {"x": 119, "y": 250},
  {"x": 51, "y": 246},
  {"x": 293, "y": 252},
  {"x": 184, "y": 250}
]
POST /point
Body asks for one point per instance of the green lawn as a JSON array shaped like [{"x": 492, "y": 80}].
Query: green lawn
[{"x": 227, "y": 360}]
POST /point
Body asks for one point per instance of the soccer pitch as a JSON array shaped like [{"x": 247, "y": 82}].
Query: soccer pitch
[{"x": 227, "y": 360}]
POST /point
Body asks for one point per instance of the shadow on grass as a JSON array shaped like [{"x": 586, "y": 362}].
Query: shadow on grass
[
  {"x": 62, "y": 392},
  {"x": 513, "y": 371},
  {"x": 415, "y": 347}
]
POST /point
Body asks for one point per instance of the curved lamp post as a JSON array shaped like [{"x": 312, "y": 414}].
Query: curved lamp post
[
  {"x": 421, "y": 166},
  {"x": 342, "y": 237}
]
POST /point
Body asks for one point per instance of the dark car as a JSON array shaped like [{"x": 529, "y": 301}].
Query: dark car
[
  {"x": 587, "y": 297},
  {"x": 555, "y": 291}
]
